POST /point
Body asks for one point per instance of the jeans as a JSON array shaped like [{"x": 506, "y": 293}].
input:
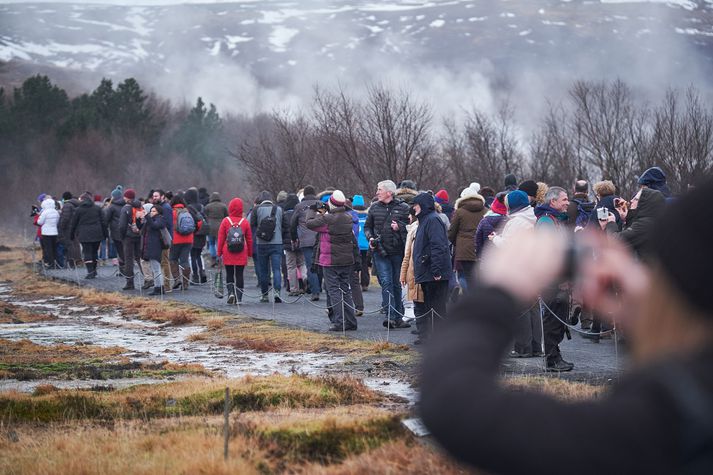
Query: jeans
[
  {"x": 157, "y": 274},
  {"x": 337, "y": 279},
  {"x": 388, "y": 271},
  {"x": 212, "y": 246},
  {"x": 59, "y": 254},
  {"x": 269, "y": 256},
  {"x": 308, "y": 253}
]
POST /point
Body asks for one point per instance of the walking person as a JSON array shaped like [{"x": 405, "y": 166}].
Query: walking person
[
  {"x": 130, "y": 235},
  {"x": 196, "y": 209},
  {"x": 469, "y": 210},
  {"x": 153, "y": 244},
  {"x": 72, "y": 251},
  {"x": 268, "y": 219},
  {"x": 112, "y": 215},
  {"x": 215, "y": 211},
  {"x": 235, "y": 245},
  {"x": 336, "y": 254},
  {"x": 183, "y": 228},
  {"x": 306, "y": 238},
  {"x": 362, "y": 212},
  {"x": 385, "y": 228},
  {"x": 48, "y": 221},
  {"x": 89, "y": 228},
  {"x": 414, "y": 291},
  {"x": 294, "y": 258}
]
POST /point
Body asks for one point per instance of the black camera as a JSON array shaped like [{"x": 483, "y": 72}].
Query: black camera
[
  {"x": 378, "y": 245},
  {"x": 35, "y": 211},
  {"x": 318, "y": 206}
]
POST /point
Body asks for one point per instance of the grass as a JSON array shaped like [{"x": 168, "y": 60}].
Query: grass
[
  {"x": 10, "y": 313},
  {"x": 185, "y": 398},
  {"x": 25, "y": 360},
  {"x": 559, "y": 388}
]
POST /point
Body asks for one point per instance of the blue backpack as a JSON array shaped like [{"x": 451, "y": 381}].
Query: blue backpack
[{"x": 185, "y": 224}]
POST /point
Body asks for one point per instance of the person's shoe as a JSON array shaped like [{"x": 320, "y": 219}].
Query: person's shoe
[
  {"x": 264, "y": 299},
  {"x": 155, "y": 291},
  {"x": 204, "y": 279},
  {"x": 91, "y": 275},
  {"x": 277, "y": 298},
  {"x": 359, "y": 313},
  {"x": 537, "y": 354},
  {"x": 382, "y": 311},
  {"x": 315, "y": 298},
  {"x": 559, "y": 366},
  {"x": 294, "y": 293},
  {"x": 419, "y": 341},
  {"x": 594, "y": 337},
  {"x": 517, "y": 354},
  {"x": 231, "y": 299},
  {"x": 338, "y": 328},
  {"x": 396, "y": 324},
  {"x": 129, "y": 285},
  {"x": 364, "y": 289},
  {"x": 147, "y": 285},
  {"x": 415, "y": 332}
]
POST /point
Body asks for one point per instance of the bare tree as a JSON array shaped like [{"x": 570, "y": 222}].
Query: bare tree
[{"x": 683, "y": 138}]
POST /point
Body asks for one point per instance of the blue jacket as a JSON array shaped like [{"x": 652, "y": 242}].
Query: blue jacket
[
  {"x": 431, "y": 254},
  {"x": 491, "y": 222}
]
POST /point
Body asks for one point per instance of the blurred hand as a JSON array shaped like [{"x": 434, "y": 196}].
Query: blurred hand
[
  {"x": 491, "y": 236},
  {"x": 525, "y": 264},
  {"x": 394, "y": 225}
]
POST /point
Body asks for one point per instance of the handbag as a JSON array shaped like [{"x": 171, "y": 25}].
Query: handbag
[{"x": 166, "y": 238}]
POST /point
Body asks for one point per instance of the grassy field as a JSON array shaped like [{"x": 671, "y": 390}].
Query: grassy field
[{"x": 324, "y": 424}]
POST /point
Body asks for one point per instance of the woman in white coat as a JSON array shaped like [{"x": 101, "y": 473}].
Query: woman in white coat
[{"x": 48, "y": 220}]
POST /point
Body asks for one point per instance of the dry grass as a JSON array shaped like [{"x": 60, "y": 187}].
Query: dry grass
[
  {"x": 188, "y": 397},
  {"x": 561, "y": 389},
  {"x": 25, "y": 351},
  {"x": 10, "y": 313}
]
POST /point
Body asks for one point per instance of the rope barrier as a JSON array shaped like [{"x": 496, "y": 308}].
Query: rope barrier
[{"x": 572, "y": 327}]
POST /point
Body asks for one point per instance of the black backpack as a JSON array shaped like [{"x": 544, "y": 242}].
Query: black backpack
[
  {"x": 266, "y": 227},
  {"x": 235, "y": 239}
]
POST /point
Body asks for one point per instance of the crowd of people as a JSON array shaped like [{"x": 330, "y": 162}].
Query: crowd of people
[{"x": 423, "y": 249}]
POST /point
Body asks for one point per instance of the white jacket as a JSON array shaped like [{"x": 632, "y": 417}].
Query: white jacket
[
  {"x": 49, "y": 217},
  {"x": 521, "y": 220}
]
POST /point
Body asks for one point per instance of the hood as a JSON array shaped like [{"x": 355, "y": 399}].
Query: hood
[
  {"x": 471, "y": 200},
  {"x": 87, "y": 201},
  {"x": 48, "y": 203},
  {"x": 406, "y": 192},
  {"x": 135, "y": 203},
  {"x": 291, "y": 201},
  {"x": 326, "y": 193},
  {"x": 651, "y": 203},
  {"x": 191, "y": 196},
  {"x": 425, "y": 201},
  {"x": 235, "y": 208},
  {"x": 547, "y": 209},
  {"x": 264, "y": 196},
  {"x": 584, "y": 204},
  {"x": 309, "y": 198},
  {"x": 655, "y": 179},
  {"x": 120, "y": 202},
  {"x": 527, "y": 213},
  {"x": 215, "y": 196}
]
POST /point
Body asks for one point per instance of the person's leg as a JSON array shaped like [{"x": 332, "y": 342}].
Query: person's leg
[
  {"x": 156, "y": 271},
  {"x": 166, "y": 271},
  {"x": 440, "y": 299},
  {"x": 59, "y": 253},
  {"x": 184, "y": 263},
  {"x": 356, "y": 290},
  {"x": 395, "y": 262},
  {"x": 256, "y": 266},
  {"x": 212, "y": 247},
  {"x": 263, "y": 269},
  {"x": 230, "y": 283},
  {"x": 383, "y": 272},
  {"x": 128, "y": 271},
  {"x": 554, "y": 329},
  {"x": 423, "y": 317},
  {"x": 148, "y": 274},
  {"x": 195, "y": 254},
  {"x": 283, "y": 270},
  {"x": 536, "y": 329},
  {"x": 468, "y": 275},
  {"x": 308, "y": 253},
  {"x": 302, "y": 271},
  {"x": 276, "y": 264},
  {"x": 239, "y": 281},
  {"x": 291, "y": 262},
  {"x": 119, "y": 245},
  {"x": 331, "y": 280},
  {"x": 345, "y": 274},
  {"x": 365, "y": 261},
  {"x": 522, "y": 345}
]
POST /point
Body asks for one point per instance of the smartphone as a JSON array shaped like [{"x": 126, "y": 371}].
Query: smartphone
[{"x": 602, "y": 214}]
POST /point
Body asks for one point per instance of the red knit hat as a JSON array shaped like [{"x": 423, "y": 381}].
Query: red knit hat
[
  {"x": 130, "y": 194},
  {"x": 498, "y": 207},
  {"x": 442, "y": 196}
]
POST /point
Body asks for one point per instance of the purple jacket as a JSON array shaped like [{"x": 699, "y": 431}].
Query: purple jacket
[
  {"x": 490, "y": 223},
  {"x": 337, "y": 243}
]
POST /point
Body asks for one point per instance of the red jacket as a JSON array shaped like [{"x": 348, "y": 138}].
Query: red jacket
[
  {"x": 180, "y": 238},
  {"x": 235, "y": 214}
]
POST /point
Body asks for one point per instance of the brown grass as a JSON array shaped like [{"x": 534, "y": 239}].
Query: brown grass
[
  {"x": 10, "y": 313},
  {"x": 561, "y": 389},
  {"x": 25, "y": 351}
]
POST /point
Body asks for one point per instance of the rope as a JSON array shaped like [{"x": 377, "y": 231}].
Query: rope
[{"x": 572, "y": 327}]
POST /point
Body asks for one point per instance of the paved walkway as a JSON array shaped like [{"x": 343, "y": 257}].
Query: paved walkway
[{"x": 593, "y": 362}]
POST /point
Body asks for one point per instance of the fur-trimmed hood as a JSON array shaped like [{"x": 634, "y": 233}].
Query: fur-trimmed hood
[{"x": 469, "y": 200}]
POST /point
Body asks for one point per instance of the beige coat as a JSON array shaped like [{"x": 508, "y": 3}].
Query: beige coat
[{"x": 415, "y": 292}]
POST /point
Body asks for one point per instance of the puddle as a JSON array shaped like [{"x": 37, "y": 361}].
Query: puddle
[{"x": 147, "y": 341}]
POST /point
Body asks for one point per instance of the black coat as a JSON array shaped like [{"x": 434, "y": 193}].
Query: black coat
[
  {"x": 65, "y": 220},
  {"x": 88, "y": 223},
  {"x": 640, "y": 222},
  {"x": 112, "y": 215},
  {"x": 126, "y": 217},
  {"x": 378, "y": 223},
  {"x": 643, "y": 425},
  {"x": 431, "y": 251},
  {"x": 151, "y": 230}
]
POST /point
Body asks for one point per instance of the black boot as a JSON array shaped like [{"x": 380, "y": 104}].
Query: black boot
[
  {"x": 129, "y": 284},
  {"x": 156, "y": 291},
  {"x": 239, "y": 293},
  {"x": 147, "y": 285},
  {"x": 231, "y": 294},
  {"x": 91, "y": 270}
]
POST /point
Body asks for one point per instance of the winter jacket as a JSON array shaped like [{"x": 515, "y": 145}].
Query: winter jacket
[
  {"x": 235, "y": 209},
  {"x": 414, "y": 290},
  {"x": 431, "y": 254},
  {"x": 288, "y": 206},
  {"x": 167, "y": 212},
  {"x": 548, "y": 216},
  {"x": 470, "y": 210},
  {"x": 337, "y": 243},
  {"x": 608, "y": 203},
  {"x": 179, "y": 238},
  {"x": 492, "y": 222},
  {"x": 49, "y": 218},
  {"x": 448, "y": 209},
  {"x": 406, "y": 195},
  {"x": 263, "y": 211},
  {"x": 65, "y": 220},
  {"x": 650, "y": 422},
  {"x": 215, "y": 211},
  {"x": 579, "y": 211},
  {"x": 378, "y": 223},
  {"x": 637, "y": 233},
  {"x": 127, "y": 216},
  {"x": 198, "y": 212},
  {"x": 88, "y": 223},
  {"x": 362, "y": 212},
  {"x": 152, "y": 245},
  {"x": 298, "y": 228},
  {"x": 112, "y": 215},
  {"x": 516, "y": 222}
]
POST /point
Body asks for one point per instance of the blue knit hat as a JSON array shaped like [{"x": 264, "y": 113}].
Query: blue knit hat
[
  {"x": 516, "y": 200},
  {"x": 358, "y": 201}
]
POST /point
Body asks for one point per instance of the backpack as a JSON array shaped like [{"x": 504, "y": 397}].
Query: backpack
[
  {"x": 204, "y": 230},
  {"x": 185, "y": 224},
  {"x": 266, "y": 227},
  {"x": 584, "y": 211},
  {"x": 235, "y": 239}
]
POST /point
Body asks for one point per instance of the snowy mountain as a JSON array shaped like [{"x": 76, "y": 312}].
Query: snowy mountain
[{"x": 259, "y": 54}]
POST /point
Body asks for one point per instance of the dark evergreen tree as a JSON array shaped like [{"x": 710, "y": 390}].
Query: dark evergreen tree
[
  {"x": 200, "y": 136},
  {"x": 38, "y": 105}
]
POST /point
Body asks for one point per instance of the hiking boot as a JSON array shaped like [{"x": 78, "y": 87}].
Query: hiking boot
[
  {"x": 517, "y": 354},
  {"x": 231, "y": 294},
  {"x": 315, "y": 297},
  {"x": 338, "y": 328},
  {"x": 394, "y": 324},
  {"x": 359, "y": 313},
  {"x": 147, "y": 285},
  {"x": 264, "y": 299},
  {"x": 594, "y": 337},
  {"x": 156, "y": 291},
  {"x": 277, "y": 298},
  {"x": 559, "y": 365},
  {"x": 129, "y": 284}
]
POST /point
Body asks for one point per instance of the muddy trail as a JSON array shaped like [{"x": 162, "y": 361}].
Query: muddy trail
[{"x": 64, "y": 320}]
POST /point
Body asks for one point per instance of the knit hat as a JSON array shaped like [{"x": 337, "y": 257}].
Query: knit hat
[
  {"x": 441, "y": 196},
  {"x": 516, "y": 200},
  {"x": 337, "y": 198},
  {"x": 130, "y": 194},
  {"x": 67, "y": 195},
  {"x": 510, "y": 180},
  {"x": 116, "y": 194},
  {"x": 529, "y": 187},
  {"x": 681, "y": 243},
  {"x": 358, "y": 202},
  {"x": 655, "y": 178},
  {"x": 41, "y": 197},
  {"x": 499, "y": 207},
  {"x": 410, "y": 184},
  {"x": 98, "y": 198},
  {"x": 309, "y": 190},
  {"x": 86, "y": 196}
]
